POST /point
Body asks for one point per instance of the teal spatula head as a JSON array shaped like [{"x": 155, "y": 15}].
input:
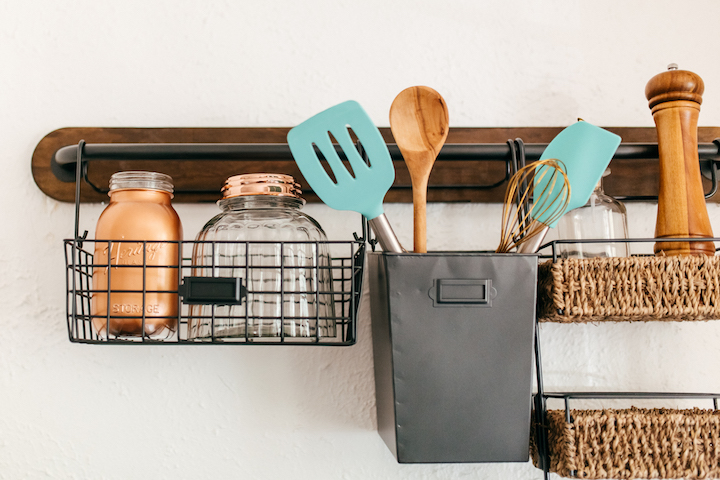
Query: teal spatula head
[
  {"x": 365, "y": 189},
  {"x": 585, "y": 152}
]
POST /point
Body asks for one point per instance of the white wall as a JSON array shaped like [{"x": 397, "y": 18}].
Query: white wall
[{"x": 74, "y": 411}]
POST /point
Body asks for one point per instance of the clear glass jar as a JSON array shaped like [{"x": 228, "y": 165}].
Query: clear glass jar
[
  {"x": 280, "y": 253},
  {"x": 602, "y": 217},
  {"x": 137, "y": 283}
]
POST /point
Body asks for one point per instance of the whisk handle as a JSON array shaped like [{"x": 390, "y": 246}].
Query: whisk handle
[{"x": 532, "y": 244}]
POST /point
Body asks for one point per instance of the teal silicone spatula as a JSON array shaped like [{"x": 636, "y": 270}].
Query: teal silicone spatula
[
  {"x": 362, "y": 191},
  {"x": 585, "y": 151}
]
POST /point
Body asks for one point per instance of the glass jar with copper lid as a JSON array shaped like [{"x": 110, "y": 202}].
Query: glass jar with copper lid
[
  {"x": 135, "y": 264},
  {"x": 263, "y": 237}
]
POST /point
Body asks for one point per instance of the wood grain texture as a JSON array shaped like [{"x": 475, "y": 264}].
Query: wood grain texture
[
  {"x": 419, "y": 123},
  {"x": 638, "y": 177},
  {"x": 674, "y": 98},
  {"x": 674, "y": 85}
]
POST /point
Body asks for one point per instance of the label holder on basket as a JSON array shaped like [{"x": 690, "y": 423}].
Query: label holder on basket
[
  {"x": 212, "y": 291},
  {"x": 457, "y": 292}
]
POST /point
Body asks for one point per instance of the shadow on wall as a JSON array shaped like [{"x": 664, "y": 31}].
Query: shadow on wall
[{"x": 304, "y": 387}]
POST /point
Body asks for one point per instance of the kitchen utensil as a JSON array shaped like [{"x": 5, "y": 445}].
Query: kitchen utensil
[
  {"x": 419, "y": 124},
  {"x": 362, "y": 191},
  {"x": 585, "y": 151},
  {"x": 674, "y": 99},
  {"x": 516, "y": 227}
]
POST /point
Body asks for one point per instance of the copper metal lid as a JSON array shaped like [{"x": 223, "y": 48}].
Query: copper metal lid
[{"x": 261, "y": 184}]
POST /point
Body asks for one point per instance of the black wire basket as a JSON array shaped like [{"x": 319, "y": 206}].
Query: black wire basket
[
  {"x": 91, "y": 321},
  {"x": 200, "y": 306}
]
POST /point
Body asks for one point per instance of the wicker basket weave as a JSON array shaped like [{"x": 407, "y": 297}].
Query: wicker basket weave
[
  {"x": 629, "y": 289},
  {"x": 634, "y": 443}
]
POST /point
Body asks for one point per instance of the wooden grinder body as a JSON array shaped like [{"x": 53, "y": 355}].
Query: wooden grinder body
[{"x": 674, "y": 98}]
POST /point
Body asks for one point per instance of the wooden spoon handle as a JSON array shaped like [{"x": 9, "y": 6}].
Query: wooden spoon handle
[{"x": 420, "y": 217}]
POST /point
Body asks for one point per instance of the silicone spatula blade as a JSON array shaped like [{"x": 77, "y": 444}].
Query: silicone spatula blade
[
  {"x": 362, "y": 191},
  {"x": 585, "y": 151}
]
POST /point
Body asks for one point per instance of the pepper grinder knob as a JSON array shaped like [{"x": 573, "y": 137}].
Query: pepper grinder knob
[{"x": 674, "y": 97}]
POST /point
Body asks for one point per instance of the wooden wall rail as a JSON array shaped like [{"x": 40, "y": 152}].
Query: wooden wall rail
[{"x": 201, "y": 180}]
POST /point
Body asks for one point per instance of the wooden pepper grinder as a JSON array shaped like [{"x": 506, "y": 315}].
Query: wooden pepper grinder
[{"x": 674, "y": 98}]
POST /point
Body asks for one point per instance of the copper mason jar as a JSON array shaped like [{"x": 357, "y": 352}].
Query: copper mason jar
[{"x": 137, "y": 283}]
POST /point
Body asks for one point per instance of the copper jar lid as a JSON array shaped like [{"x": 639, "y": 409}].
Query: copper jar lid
[{"x": 261, "y": 184}]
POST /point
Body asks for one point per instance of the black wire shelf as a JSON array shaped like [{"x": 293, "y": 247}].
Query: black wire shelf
[{"x": 299, "y": 311}]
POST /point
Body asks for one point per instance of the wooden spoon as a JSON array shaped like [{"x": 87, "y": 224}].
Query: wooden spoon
[{"x": 419, "y": 123}]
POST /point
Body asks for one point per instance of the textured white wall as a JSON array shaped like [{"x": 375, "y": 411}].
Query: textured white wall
[{"x": 73, "y": 411}]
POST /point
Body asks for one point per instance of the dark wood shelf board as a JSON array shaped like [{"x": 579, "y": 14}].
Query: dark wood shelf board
[{"x": 637, "y": 177}]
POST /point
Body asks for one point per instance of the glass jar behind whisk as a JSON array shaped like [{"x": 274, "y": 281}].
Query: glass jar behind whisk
[{"x": 280, "y": 253}]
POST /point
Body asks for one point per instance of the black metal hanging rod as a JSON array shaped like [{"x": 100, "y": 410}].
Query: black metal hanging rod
[{"x": 64, "y": 160}]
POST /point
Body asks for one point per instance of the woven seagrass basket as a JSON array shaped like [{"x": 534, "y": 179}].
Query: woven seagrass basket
[
  {"x": 641, "y": 288},
  {"x": 634, "y": 443}
]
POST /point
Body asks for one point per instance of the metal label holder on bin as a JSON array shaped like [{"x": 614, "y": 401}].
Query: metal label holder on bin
[{"x": 453, "y": 340}]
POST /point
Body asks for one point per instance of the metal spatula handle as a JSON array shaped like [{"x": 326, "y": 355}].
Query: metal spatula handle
[{"x": 385, "y": 235}]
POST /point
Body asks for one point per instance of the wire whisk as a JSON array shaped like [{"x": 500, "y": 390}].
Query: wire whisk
[{"x": 549, "y": 204}]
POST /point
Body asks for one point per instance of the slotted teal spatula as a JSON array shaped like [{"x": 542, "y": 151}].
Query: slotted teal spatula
[
  {"x": 365, "y": 189},
  {"x": 585, "y": 150}
]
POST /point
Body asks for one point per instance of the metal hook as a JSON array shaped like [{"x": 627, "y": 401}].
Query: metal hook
[
  {"x": 520, "y": 147},
  {"x": 79, "y": 164},
  {"x": 513, "y": 160},
  {"x": 713, "y": 179},
  {"x": 713, "y": 173}
]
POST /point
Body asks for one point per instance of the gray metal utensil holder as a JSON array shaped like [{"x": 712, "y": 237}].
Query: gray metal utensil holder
[{"x": 453, "y": 343}]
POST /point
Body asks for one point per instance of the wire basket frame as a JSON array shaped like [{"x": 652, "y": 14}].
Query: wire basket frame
[
  {"x": 345, "y": 266},
  {"x": 340, "y": 267}
]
